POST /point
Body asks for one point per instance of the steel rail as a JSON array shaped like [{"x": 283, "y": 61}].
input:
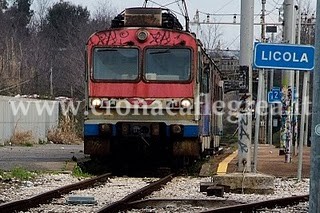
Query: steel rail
[
  {"x": 250, "y": 207},
  {"x": 155, "y": 202},
  {"x": 34, "y": 201},
  {"x": 123, "y": 204}
]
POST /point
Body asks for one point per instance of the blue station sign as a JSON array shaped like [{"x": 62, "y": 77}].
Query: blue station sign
[{"x": 283, "y": 56}]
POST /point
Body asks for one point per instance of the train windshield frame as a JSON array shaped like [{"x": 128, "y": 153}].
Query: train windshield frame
[
  {"x": 115, "y": 64},
  {"x": 168, "y": 64}
]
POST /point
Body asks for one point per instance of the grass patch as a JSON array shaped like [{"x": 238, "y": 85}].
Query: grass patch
[
  {"x": 1, "y": 173},
  {"x": 41, "y": 141},
  {"x": 17, "y": 173},
  {"x": 21, "y": 174},
  {"x": 78, "y": 172}
]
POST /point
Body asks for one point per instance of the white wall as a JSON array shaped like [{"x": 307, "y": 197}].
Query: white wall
[{"x": 32, "y": 118}]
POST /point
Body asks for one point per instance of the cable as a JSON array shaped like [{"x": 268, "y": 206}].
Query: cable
[
  {"x": 233, "y": 40},
  {"x": 274, "y": 8},
  {"x": 166, "y": 7},
  {"x": 224, "y": 6},
  {"x": 222, "y": 14}
]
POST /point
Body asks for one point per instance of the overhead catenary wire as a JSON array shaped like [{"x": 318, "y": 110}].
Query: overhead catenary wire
[
  {"x": 179, "y": 13},
  {"x": 270, "y": 14}
]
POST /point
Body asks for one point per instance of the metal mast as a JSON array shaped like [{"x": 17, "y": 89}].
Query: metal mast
[
  {"x": 314, "y": 200},
  {"x": 245, "y": 113}
]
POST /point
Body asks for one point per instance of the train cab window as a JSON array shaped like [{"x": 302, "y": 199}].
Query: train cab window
[
  {"x": 115, "y": 64},
  {"x": 167, "y": 64}
]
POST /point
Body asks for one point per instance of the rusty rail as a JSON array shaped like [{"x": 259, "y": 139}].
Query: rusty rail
[
  {"x": 251, "y": 207},
  {"x": 22, "y": 205},
  {"x": 123, "y": 204}
]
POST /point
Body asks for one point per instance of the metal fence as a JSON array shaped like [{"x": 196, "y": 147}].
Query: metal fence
[{"x": 18, "y": 115}]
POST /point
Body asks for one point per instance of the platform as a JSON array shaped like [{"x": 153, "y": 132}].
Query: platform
[
  {"x": 270, "y": 165},
  {"x": 247, "y": 183}
]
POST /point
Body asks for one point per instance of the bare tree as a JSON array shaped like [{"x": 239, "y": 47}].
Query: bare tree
[
  {"x": 53, "y": 40},
  {"x": 41, "y": 10},
  {"x": 308, "y": 21},
  {"x": 210, "y": 36},
  {"x": 102, "y": 16},
  {"x": 14, "y": 47}
]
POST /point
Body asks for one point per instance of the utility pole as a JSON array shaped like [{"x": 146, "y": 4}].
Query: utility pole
[
  {"x": 262, "y": 135},
  {"x": 196, "y": 20},
  {"x": 51, "y": 81},
  {"x": 287, "y": 82},
  {"x": 260, "y": 95},
  {"x": 271, "y": 74},
  {"x": 297, "y": 83},
  {"x": 245, "y": 112},
  {"x": 314, "y": 197},
  {"x": 304, "y": 104},
  {"x": 303, "y": 118}
]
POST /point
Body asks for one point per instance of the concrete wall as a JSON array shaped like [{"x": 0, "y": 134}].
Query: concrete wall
[{"x": 22, "y": 115}]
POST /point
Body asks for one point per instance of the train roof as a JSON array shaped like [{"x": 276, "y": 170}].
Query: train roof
[{"x": 147, "y": 17}]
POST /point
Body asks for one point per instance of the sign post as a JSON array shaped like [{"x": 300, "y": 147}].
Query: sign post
[{"x": 287, "y": 57}]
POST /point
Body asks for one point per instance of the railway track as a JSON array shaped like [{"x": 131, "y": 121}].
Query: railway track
[
  {"x": 47, "y": 197},
  {"x": 123, "y": 204},
  {"x": 255, "y": 206},
  {"x": 218, "y": 206},
  {"x": 121, "y": 194},
  {"x": 34, "y": 201}
]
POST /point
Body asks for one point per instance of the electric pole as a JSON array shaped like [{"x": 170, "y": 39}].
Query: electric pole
[
  {"x": 245, "y": 112},
  {"x": 51, "y": 81},
  {"x": 260, "y": 97},
  {"x": 287, "y": 82},
  {"x": 314, "y": 199},
  {"x": 306, "y": 75}
]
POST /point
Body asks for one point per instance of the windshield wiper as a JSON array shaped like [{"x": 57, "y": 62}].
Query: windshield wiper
[
  {"x": 106, "y": 50},
  {"x": 161, "y": 51}
]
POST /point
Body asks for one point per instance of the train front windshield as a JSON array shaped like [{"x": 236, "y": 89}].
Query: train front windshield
[
  {"x": 167, "y": 64},
  {"x": 161, "y": 64},
  {"x": 115, "y": 64}
]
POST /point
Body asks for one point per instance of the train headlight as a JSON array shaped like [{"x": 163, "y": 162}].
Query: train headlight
[
  {"x": 176, "y": 129},
  {"x": 142, "y": 35},
  {"x": 185, "y": 103},
  {"x": 96, "y": 102},
  {"x": 105, "y": 129}
]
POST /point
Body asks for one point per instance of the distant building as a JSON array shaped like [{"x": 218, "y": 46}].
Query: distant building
[{"x": 228, "y": 63}]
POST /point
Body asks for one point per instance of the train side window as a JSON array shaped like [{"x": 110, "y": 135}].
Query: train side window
[{"x": 205, "y": 80}]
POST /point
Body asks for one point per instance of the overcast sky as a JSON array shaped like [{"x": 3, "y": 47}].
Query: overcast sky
[{"x": 230, "y": 33}]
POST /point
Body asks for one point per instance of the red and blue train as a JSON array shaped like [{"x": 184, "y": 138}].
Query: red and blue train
[{"x": 151, "y": 90}]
